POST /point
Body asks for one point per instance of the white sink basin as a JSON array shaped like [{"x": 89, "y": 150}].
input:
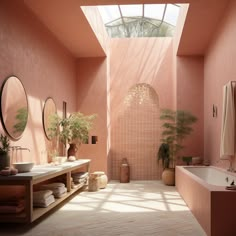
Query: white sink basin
[{"x": 23, "y": 166}]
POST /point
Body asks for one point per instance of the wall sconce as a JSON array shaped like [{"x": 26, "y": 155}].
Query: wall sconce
[{"x": 214, "y": 111}]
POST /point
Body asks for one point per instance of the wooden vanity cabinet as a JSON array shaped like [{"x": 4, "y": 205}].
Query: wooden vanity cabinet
[{"x": 40, "y": 174}]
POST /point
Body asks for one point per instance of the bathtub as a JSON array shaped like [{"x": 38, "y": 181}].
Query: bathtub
[{"x": 204, "y": 191}]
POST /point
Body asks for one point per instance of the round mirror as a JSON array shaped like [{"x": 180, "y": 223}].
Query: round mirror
[
  {"x": 14, "y": 107},
  {"x": 48, "y": 110}
]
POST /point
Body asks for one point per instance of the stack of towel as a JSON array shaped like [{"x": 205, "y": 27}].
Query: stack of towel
[
  {"x": 58, "y": 189},
  {"x": 12, "y": 206},
  {"x": 43, "y": 198},
  {"x": 80, "y": 178}
]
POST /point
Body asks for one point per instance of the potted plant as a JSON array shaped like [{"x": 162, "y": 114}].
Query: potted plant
[
  {"x": 73, "y": 130},
  {"x": 176, "y": 127},
  {"x": 4, "y": 151}
]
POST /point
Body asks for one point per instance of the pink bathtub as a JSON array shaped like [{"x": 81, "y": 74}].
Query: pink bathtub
[{"x": 203, "y": 190}]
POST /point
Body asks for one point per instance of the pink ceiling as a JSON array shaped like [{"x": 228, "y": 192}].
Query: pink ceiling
[{"x": 67, "y": 22}]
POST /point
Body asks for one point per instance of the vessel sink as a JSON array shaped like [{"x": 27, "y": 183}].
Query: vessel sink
[{"x": 23, "y": 166}]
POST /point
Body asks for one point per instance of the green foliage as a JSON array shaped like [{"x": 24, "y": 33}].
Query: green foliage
[
  {"x": 176, "y": 127},
  {"x": 74, "y": 129},
  {"x": 5, "y": 144},
  {"x": 164, "y": 155},
  {"x": 187, "y": 159},
  {"x": 21, "y": 118}
]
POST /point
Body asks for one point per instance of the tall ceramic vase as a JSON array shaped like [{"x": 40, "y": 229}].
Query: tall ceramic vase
[
  {"x": 4, "y": 160},
  {"x": 72, "y": 150}
]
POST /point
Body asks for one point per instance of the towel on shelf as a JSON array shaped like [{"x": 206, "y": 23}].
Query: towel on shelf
[
  {"x": 58, "y": 189},
  {"x": 52, "y": 186},
  {"x": 60, "y": 192},
  {"x": 16, "y": 207},
  {"x": 227, "y": 145},
  {"x": 79, "y": 175},
  {"x": 42, "y": 194},
  {"x": 44, "y": 202}
]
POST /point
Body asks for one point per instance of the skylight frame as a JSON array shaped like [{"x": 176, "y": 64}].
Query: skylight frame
[{"x": 144, "y": 17}]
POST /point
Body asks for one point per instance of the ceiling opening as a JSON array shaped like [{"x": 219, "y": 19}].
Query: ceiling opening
[{"x": 140, "y": 20}]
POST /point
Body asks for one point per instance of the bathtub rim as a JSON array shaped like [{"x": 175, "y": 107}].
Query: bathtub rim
[{"x": 211, "y": 187}]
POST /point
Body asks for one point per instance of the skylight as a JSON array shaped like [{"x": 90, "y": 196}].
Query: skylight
[{"x": 140, "y": 20}]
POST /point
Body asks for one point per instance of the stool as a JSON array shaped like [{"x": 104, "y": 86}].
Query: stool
[
  {"x": 102, "y": 179},
  {"x": 93, "y": 183}
]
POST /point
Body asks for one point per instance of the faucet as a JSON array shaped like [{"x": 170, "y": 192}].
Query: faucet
[
  {"x": 14, "y": 147},
  {"x": 21, "y": 148}
]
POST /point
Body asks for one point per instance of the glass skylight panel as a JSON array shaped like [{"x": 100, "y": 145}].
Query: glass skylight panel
[
  {"x": 140, "y": 20},
  {"x": 109, "y": 13},
  {"x": 154, "y": 11},
  {"x": 132, "y": 10},
  {"x": 172, "y": 13}
]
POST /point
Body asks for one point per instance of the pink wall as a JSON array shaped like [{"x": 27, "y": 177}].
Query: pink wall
[
  {"x": 95, "y": 20},
  {"x": 219, "y": 68},
  {"x": 29, "y": 51},
  {"x": 137, "y": 61},
  {"x": 92, "y": 98},
  {"x": 190, "y": 97}
]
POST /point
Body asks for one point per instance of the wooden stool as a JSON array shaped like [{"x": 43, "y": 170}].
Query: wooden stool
[{"x": 102, "y": 179}]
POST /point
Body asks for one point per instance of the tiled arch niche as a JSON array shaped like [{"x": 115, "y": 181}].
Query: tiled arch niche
[{"x": 136, "y": 134}]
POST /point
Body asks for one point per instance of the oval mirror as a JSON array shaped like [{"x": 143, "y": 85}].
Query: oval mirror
[
  {"x": 48, "y": 110},
  {"x": 14, "y": 107}
]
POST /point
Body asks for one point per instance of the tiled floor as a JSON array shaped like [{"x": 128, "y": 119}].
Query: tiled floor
[{"x": 138, "y": 208}]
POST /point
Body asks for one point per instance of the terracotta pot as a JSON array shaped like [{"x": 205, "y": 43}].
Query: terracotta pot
[
  {"x": 168, "y": 176},
  {"x": 72, "y": 150}
]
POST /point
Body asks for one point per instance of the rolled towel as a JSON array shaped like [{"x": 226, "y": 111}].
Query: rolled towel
[
  {"x": 42, "y": 194},
  {"x": 50, "y": 199}
]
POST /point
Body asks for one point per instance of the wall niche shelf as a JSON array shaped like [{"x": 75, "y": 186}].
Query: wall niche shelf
[{"x": 40, "y": 174}]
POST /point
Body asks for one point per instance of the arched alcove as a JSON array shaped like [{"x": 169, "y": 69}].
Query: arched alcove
[{"x": 135, "y": 134}]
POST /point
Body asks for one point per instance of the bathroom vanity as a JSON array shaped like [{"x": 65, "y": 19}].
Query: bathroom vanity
[{"x": 41, "y": 174}]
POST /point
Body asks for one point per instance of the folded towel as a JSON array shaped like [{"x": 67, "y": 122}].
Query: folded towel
[
  {"x": 8, "y": 209},
  {"x": 46, "y": 202},
  {"x": 80, "y": 181},
  {"x": 42, "y": 194},
  {"x": 9, "y": 203},
  {"x": 42, "y": 200},
  {"x": 60, "y": 193},
  {"x": 79, "y": 175},
  {"x": 52, "y": 186}
]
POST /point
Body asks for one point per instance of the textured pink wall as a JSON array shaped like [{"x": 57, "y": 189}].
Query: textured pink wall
[
  {"x": 219, "y": 68},
  {"x": 137, "y": 61},
  {"x": 29, "y": 51},
  {"x": 95, "y": 20},
  {"x": 92, "y": 98},
  {"x": 190, "y": 97}
]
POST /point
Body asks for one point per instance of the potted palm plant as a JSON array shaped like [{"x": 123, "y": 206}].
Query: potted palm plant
[
  {"x": 73, "y": 130},
  {"x": 4, "y": 151},
  {"x": 176, "y": 127}
]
